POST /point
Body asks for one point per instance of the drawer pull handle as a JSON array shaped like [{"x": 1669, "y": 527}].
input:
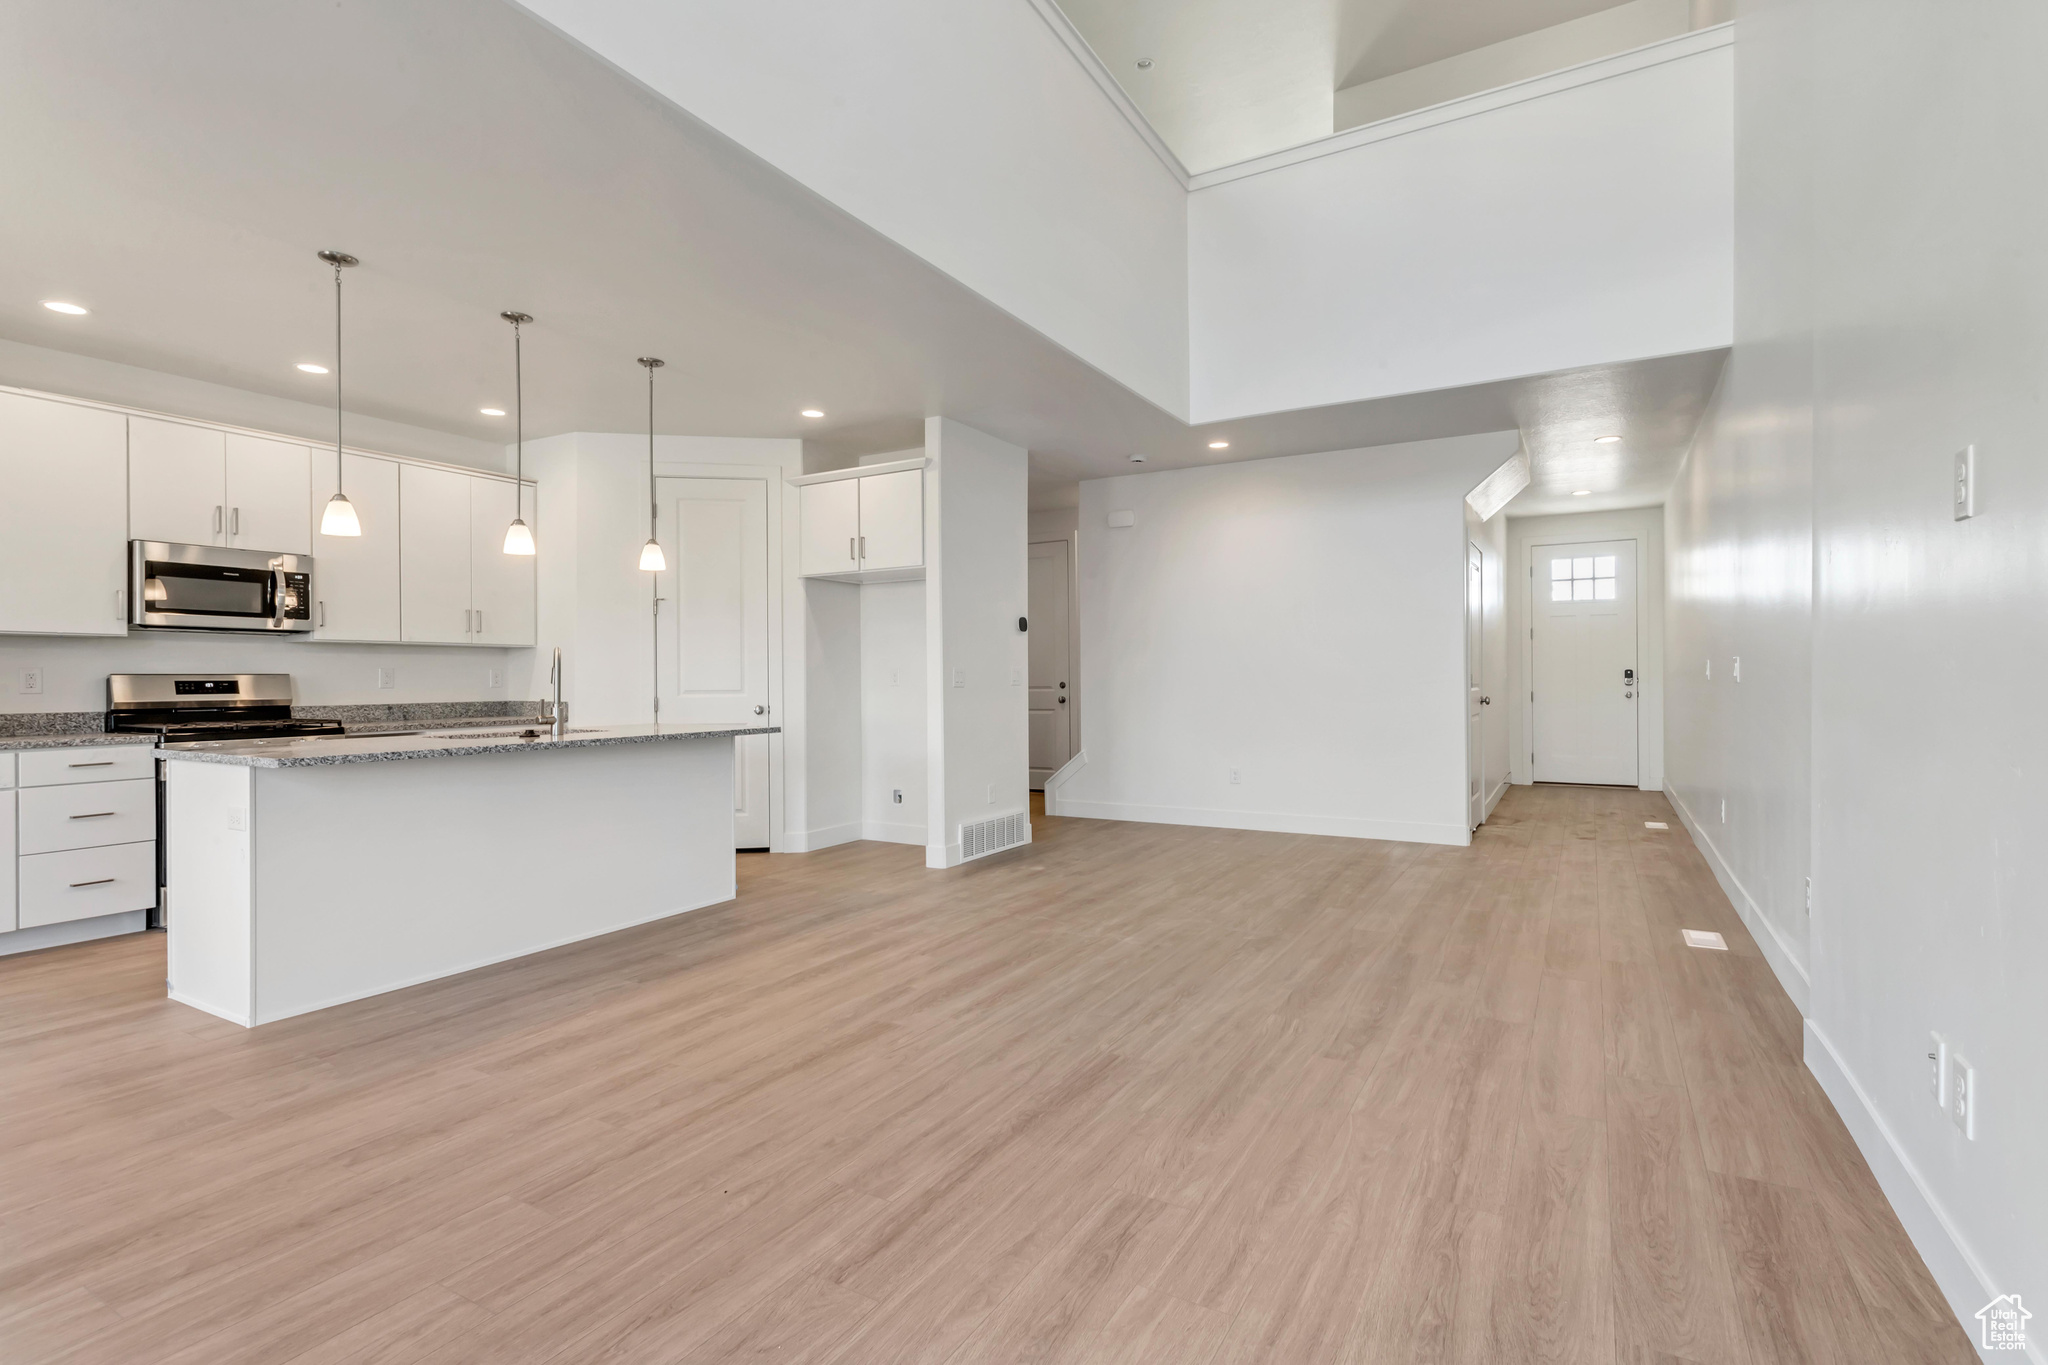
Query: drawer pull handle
[
  {"x": 93, "y": 815},
  {"x": 102, "y": 763},
  {"x": 97, "y": 881}
]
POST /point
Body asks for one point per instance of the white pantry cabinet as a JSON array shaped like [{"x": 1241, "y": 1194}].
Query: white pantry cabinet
[
  {"x": 356, "y": 578},
  {"x": 863, "y": 528},
  {"x": 458, "y": 585},
  {"x": 195, "y": 485},
  {"x": 63, "y": 518}
]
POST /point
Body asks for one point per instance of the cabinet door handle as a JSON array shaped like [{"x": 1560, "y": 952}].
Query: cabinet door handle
[
  {"x": 120, "y": 604},
  {"x": 234, "y": 521},
  {"x": 479, "y": 621},
  {"x": 863, "y": 547},
  {"x": 93, "y": 815},
  {"x": 216, "y": 518},
  {"x": 97, "y": 881},
  {"x": 99, "y": 763},
  {"x": 323, "y": 613},
  {"x": 849, "y": 548},
  {"x": 465, "y": 621}
]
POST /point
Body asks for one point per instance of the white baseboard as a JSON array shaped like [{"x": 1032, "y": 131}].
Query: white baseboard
[
  {"x": 39, "y": 936},
  {"x": 1402, "y": 831},
  {"x": 1958, "y": 1273},
  {"x": 1055, "y": 804},
  {"x": 205, "y": 1008},
  {"x": 811, "y": 840},
  {"x": 1785, "y": 960},
  {"x": 894, "y": 832}
]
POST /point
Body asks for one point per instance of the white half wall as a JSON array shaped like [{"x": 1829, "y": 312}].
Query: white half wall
[
  {"x": 1585, "y": 225},
  {"x": 978, "y": 755},
  {"x": 1300, "y": 621},
  {"x": 1645, "y": 526}
]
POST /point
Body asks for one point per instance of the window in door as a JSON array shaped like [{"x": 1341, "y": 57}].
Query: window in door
[{"x": 1582, "y": 578}]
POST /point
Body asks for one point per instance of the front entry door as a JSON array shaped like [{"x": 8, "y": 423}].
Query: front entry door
[
  {"x": 711, "y": 626},
  {"x": 1583, "y": 657},
  {"x": 1475, "y": 680},
  {"x": 1052, "y": 692}
]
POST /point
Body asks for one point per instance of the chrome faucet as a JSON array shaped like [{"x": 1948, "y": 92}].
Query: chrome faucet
[{"x": 555, "y": 714}]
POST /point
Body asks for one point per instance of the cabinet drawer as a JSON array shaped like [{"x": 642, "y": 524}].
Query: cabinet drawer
[
  {"x": 54, "y": 767},
  {"x": 85, "y": 882},
  {"x": 6, "y": 771},
  {"x": 87, "y": 815}
]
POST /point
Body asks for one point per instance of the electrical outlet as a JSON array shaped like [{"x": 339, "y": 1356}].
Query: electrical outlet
[
  {"x": 1710, "y": 670},
  {"x": 1965, "y": 483},
  {"x": 238, "y": 819},
  {"x": 387, "y": 678},
  {"x": 897, "y": 794},
  {"x": 991, "y": 793},
  {"x": 894, "y": 680},
  {"x": 1962, "y": 1096},
  {"x": 959, "y": 677},
  {"x": 31, "y": 682},
  {"x": 1735, "y": 673},
  {"x": 1233, "y": 777},
  {"x": 1016, "y": 677},
  {"x": 1937, "y": 1069},
  {"x": 496, "y": 677}
]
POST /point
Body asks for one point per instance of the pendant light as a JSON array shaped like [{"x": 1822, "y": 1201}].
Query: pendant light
[
  {"x": 518, "y": 538},
  {"x": 339, "y": 516},
  {"x": 651, "y": 557}
]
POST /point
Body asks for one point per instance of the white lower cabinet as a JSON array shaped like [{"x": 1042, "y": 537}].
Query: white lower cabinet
[
  {"x": 85, "y": 882},
  {"x": 356, "y": 578},
  {"x": 86, "y": 815},
  {"x": 63, "y": 518},
  {"x": 7, "y": 918}
]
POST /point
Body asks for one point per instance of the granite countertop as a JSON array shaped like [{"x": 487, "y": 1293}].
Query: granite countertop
[
  {"x": 327, "y": 752},
  {"x": 80, "y": 740}
]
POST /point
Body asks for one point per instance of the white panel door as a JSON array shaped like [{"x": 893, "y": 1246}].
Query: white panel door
[
  {"x": 1475, "y": 676},
  {"x": 267, "y": 486},
  {"x": 1583, "y": 604},
  {"x": 355, "y": 578},
  {"x": 500, "y": 585},
  {"x": 63, "y": 518},
  {"x": 177, "y": 483},
  {"x": 433, "y": 555},
  {"x": 711, "y": 627},
  {"x": 830, "y": 517},
  {"x": 1051, "y": 691},
  {"x": 892, "y": 520}
]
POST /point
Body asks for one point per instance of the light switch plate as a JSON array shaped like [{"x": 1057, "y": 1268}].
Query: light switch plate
[
  {"x": 1962, "y": 1095},
  {"x": 1964, "y": 484},
  {"x": 1735, "y": 672},
  {"x": 496, "y": 677},
  {"x": 1123, "y": 518},
  {"x": 1937, "y": 1069}
]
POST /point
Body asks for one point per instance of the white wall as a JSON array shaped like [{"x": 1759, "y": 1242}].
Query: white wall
[
  {"x": 978, "y": 743},
  {"x": 1587, "y": 225},
  {"x": 1300, "y": 620},
  {"x": 965, "y": 132},
  {"x": 1645, "y": 526},
  {"x": 1891, "y": 294},
  {"x": 1599, "y": 34},
  {"x": 893, "y": 738}
]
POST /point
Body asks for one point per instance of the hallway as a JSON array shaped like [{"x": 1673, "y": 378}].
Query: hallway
[{"x": 1134, "y": 1093}]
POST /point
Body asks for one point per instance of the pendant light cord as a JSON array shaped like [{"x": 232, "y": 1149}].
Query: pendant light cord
[
  {"x": 337, "y": 381},
  {"x": 653, "y": 501},
  {"x": 518, "y": 428}
]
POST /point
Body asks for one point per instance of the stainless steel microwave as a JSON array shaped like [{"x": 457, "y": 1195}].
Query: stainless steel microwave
[{"x": 210, "y": 587}]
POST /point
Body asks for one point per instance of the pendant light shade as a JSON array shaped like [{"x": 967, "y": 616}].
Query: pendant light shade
[
  {"x": 339, "y": 516},
  {"x": 652, "y": 560},
  {"x": 518, "y": 536}
]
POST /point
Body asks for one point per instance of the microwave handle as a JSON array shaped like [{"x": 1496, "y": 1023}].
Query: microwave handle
[{"x": 277, "y": 597}]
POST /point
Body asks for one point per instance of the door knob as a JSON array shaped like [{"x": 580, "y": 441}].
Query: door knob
[
  {"x": 760, "y": 710},
  {"x": 1063, "y": 701},
  {"x": 1486, "y": 701}
]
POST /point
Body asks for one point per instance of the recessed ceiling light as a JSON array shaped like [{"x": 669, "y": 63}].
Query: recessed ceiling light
[
  {"x": 492, "y": 412},
  {"x": 1137, "y": 459},
  {"x": 812, "y": 412},
  {"x": 1144, "y": 63},
  {"x": 1219, "y": 445},
  {"x": 1582, "y": 492},
  {"x": 59, "y": 306},
  {"x": 310, "y": 368},
  {"x": 1605, "y": 440}
]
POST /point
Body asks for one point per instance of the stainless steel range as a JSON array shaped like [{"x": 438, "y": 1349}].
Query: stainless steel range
[{"x": 184, "y": 708}]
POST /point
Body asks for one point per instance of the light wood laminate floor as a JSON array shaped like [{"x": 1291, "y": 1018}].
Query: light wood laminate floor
[{"x": 1136, "y": 1093}]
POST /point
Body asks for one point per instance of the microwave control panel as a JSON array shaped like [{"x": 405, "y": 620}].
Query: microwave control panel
[{"x": 298, "y": 597}]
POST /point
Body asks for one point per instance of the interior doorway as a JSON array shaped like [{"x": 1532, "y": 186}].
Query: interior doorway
[
  {"x": 1476, "y": 699},
  {"x": 1586, "y": 682},
  {"x": 711, "y": 626},
  {"x": 1051, "y": 693}
]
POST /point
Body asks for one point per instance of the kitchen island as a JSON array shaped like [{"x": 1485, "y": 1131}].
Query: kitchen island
[{"x": 304, "y": 873}]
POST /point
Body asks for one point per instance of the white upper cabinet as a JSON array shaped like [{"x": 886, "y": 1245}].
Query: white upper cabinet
[
  {"x": 63, "y": 518},
  {"x": 355, "y": 578},
  {"x": 831, "y": 527},
  {"x": 200, "y": 486},
  {"x": 500, "y": 585},
  {"x": 433, "y": 549},
  {"x": 863, "y": 527},
  {"x": 268, "y": 483},
  {"x": 177, "y": 483},
  {"x": 892, "y": 520}
]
